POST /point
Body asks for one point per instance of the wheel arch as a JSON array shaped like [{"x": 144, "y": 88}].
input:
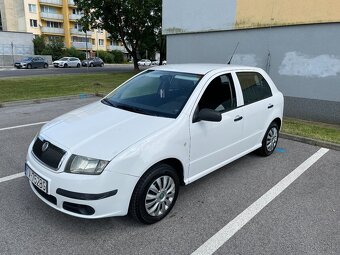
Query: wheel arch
[{"x": 175, "y": 163}]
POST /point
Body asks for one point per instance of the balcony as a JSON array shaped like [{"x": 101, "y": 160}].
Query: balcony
[
  {"x": 54, "y": 16},
  {"x": 75, "y": 16},
  {"x": 52, "y": 30},
  {"x": 75, "y": 31},
  {"x": 117, "y": 47},
  {"x": 51, "y": 2},
  {"x": 82, "y": 45},
  {"x": 71, "y": 2}
]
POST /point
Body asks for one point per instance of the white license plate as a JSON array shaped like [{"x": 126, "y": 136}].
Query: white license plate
[{"x": 37, "y": 180}]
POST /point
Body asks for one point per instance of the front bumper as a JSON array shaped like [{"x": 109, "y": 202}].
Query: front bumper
[{"x": 85, "y": 196}]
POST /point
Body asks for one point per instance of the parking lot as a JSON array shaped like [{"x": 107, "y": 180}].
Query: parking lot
[{"x": 257, "y": 209}]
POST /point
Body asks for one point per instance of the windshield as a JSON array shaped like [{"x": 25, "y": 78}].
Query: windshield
[
  {"x": 26, "y": 59},
  {"x": 158, "y": 93},
  {"x": 63, "y": 59}
]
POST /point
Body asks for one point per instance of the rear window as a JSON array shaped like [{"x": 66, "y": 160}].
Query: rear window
[{"x": 254, "y": 87}]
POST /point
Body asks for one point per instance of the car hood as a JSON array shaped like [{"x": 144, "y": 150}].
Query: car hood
[{"x": 101, "y": 131}]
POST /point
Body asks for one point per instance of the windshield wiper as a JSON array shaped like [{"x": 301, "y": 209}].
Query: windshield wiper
[
  {"x": 132, "y": 109},
  {"x": 107, "y": 102}
]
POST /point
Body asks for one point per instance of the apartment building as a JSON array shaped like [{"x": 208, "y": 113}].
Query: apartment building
[{"x": 54, "y": 19}]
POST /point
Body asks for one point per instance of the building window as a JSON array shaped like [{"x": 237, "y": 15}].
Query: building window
[
  {"x": 77, "y": 12},
  {"x": 101, "y": 42},
  {"x": 32, "y": 8},
  {"x": 48, "y": 9},
  {"x": 78, "y": 27},
  {"x": 33, "y": 23},
  {"x": 54, "y": 24},
  {"x": 0, "y": 22},
  {"x": 93, "y": 41}
]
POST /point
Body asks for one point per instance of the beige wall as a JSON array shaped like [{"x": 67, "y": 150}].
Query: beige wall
[{"x": 262, "y": 13}]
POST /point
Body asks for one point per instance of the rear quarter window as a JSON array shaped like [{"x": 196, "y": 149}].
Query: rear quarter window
[{"x": 254, "y": 87}]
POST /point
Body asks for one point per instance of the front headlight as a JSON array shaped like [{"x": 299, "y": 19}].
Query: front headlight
[{"x": 85, "y": 165}]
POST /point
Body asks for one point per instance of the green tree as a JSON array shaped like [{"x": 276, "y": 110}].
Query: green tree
[
  {"x": 54, "y": 48},
  {"x": 39, "y": 45},
  {"x": 73, "y": 52},
  {"x": 129, "y": 21}
]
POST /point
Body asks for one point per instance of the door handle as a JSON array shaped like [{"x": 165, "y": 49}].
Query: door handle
[
  {"x": 238, "y": 118},
  {"x": 270, "y": 106}
]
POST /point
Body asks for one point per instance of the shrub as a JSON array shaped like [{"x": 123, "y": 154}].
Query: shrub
[
  {"x": 118, "y": 56},
  {"x": 73, "y": 52}
]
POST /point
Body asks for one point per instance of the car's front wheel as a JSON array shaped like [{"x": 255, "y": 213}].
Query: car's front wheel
[
  {"x": 270, "y": 140},
  {"x": 155, "y": 194}
]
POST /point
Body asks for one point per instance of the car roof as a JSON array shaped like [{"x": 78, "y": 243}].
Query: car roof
[{"x": 202, "y": 68}]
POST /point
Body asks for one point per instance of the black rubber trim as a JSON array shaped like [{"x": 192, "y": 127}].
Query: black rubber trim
[{"x": 84, "y": 196}]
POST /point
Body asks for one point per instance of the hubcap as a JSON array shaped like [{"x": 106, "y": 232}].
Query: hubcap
[
  {"x": 160, "y": 196},
  {"x": 271, "y": 139}
]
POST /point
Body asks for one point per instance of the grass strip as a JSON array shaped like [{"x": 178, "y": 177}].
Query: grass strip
[
  {"x": 314, "y": 130},
  {"x": 59, "y": 85}
]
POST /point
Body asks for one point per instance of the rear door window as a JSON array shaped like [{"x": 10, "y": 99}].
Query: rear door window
[{"x": 254, "y": 87}]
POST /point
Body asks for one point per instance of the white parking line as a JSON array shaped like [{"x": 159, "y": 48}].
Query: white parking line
[
  {"x": 222, "y": 236},
  {"x": 25, "y": 125},
  {"x": 11, "y": 177}
]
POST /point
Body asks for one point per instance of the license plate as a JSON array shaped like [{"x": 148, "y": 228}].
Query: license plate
[{"x": 37, "y": 180}]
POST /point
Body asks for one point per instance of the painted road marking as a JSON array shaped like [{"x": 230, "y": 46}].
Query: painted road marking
[
  {"x": 11, "y": 177},
  {"x": 25, "y": 125},
  {"x": 280, "y": 149},
  {"x": 222, "y": 236}
]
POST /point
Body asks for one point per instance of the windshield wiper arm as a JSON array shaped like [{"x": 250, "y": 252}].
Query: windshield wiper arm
[{"x": 107, "y": 102}]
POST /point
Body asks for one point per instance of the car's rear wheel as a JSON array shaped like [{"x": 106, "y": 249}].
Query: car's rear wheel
[
  {"x": 102, "y": 64},
  {"x": 29, "y": 66},
  {"x": 270, "y": 140},
  {"x": 155, "y": 194},
  {"x": 45, "y": 65}
]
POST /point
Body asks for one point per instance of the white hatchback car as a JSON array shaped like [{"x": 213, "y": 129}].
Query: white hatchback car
[
  {"x": 67, "y": 62},
  {"x": 165, "y": 127}
]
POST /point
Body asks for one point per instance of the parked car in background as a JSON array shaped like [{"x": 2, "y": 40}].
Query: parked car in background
[
  {"x": 155, "y": 62},
  {"x": 164, "y": 62},
  {"x": 144, "y": 62},
  {"x": 31, "y": 62},
  {"x": 67, "y": 62},
  {"x": 91, "y": 62},
  {"x": 167, "y": 126}
]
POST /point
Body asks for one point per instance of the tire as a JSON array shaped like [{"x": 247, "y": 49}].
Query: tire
[
  {"x": 269, "y": 140},
  {"x": 29, "y": 66},
  {"x": 65, "y": 66},
  {"x": 102, "y": 64},
  {"x": 78, "y": 65},
  {"x": 45, "y": 65},
  {"x": 161, "y": 184},
  {"x": 91, "y": 65}
]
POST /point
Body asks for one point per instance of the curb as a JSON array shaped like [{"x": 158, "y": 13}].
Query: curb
[
  {"x": 311, "y": 141},
  {"x": 45, "y": 100}
]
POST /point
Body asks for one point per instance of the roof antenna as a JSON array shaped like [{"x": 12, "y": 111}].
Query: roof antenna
[{"x": 233, "y": 53}]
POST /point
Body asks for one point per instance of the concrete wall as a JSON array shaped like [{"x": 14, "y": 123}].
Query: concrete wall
[
  {"x": 8, "y": 60},
  {"x": 303, "y": 61}
]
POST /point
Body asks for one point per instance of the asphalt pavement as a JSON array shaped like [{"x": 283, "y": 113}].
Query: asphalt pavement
[
  {"x": 113, "y": 68},
  {"x": 302, "y": 219}
]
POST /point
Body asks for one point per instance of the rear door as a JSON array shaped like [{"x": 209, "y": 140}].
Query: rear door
[
  {"x": 213, "y": 144},
  {"x": 258, "y": 104}
]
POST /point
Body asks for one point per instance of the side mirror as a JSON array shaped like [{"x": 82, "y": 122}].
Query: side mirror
[{"x": 208, "y": 115}]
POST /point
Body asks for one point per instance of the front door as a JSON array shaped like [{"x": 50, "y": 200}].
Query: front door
[{"x": 213, "y": 144}]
